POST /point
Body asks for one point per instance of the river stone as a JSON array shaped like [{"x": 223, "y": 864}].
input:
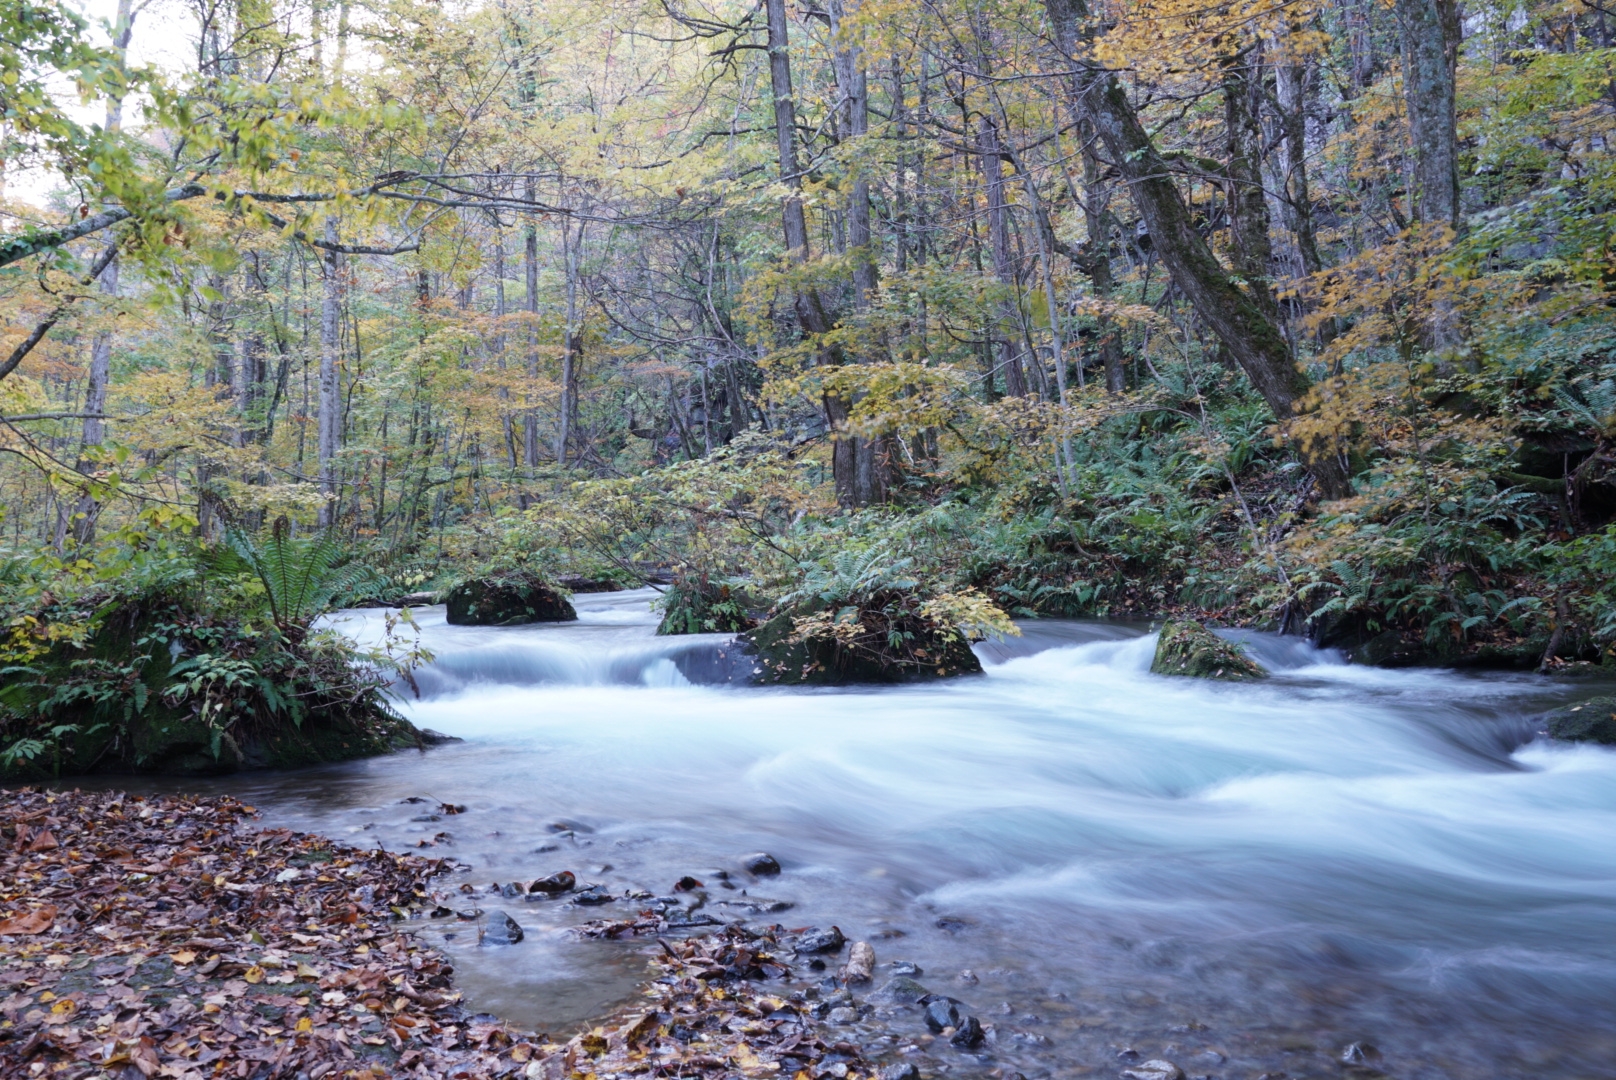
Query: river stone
[
  {"x": 860, "y": 967},
  {"x": 761, "y": 863},
  {"x": 904, "y": 1070},
  {"x": 1187, "y": 648},
  {"x": 1153, "y": 1070},
  {"x": 509, "y": 599},
  {"x": 554, "y": 885},
  {"x": 968, "y": 1035},
  {"x": 899, "y": 991},
  {"x": 1592, "y": 721},
  {"x": 501, "y": 929},
  {"x": 815, "y": 940},
  {"x": 843, "y": 1015},
  {"x": 594, "y": 894},
  {"x": 942, "y": 1013}
]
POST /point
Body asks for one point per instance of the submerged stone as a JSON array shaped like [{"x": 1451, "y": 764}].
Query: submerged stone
[
  {"x": 1187, "y": 648},
  {"x": 1593, "y": 720},
  {"x": 501, "y": 929},
  {"x": 510, "y": 599}
]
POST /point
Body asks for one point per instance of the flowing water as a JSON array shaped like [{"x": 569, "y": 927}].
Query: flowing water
[{"x": 1246, "y": 879}]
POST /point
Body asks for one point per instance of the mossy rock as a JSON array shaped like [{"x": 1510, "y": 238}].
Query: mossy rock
[
  {"x": 695, "y": 607},
  {"x": 1593, "y": 720},
  {"x": 1187, "y": 648},
  {"x": 507, "y": 600},
  {"x": 926, "y": 652}
]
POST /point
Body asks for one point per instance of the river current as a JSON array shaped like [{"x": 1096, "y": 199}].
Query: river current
[{"x": 1340, "y": 868}]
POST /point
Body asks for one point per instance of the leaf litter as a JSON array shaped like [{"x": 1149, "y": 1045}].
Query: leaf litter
[{"x": 168, "y": 937}]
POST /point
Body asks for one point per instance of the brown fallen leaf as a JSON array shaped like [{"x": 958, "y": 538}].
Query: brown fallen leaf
[{"x": 35, "y": 922}]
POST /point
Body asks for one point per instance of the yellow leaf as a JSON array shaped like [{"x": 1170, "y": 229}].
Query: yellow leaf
[
  {"x": 185, "y": 957},
  {"x": 255, "y": 974},
  {"x": 305, "y": 1024}
]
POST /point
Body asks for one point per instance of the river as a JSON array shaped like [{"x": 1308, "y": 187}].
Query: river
[{"x": 1340, "y": 867}]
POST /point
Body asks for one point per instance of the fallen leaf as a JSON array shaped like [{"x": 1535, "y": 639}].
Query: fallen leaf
[
  {"x": 35, "y": 922},
  {"x": 183, "y": 957}
]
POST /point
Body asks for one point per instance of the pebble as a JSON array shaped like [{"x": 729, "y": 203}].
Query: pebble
[
  {"x": 1154, "y": 1070},
  {"x": 1359, "y": 1054},
  {"x": 904, "y": 1070},
  {"x": 501, "y": 929},
  {"x": 967, "y": 977},
  {"x": 687, "y": 884},
  {"x": 843, "y": 1015},
  {"x": 968, "y": 1035},
  {"x": 942, "y": 1013},
  {"x": 860, "y": 966},
  {"x": 554, "y": 885},
  {"x": 900, "y": 991},
  {"x": 761, "y": 863},
  {"x": 511, "y": 889},
  {"x": 815, "y": 940},
  {"x": 904, "y": 967},
  {"x": 594, "y": 894}
]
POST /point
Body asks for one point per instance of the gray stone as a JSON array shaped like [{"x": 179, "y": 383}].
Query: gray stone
[
  {"x": 968, "y": 1035},
  {"x": 904, "y": 1070},
  {"x": 1592, "y": 721},
  {"x": 500, "y": 929},
  {"x": 900, "y": 991},
  {"x": 594, "y": 894},
  {"x": 554, "y": 885},
  {"x": 761, "y": 863},
  {"x": 843, "y": 1015},
  {"x": 942, "y": 1013},
  {"x": 1153, "y": 1070},
  {"x": 815, "y": 940}
]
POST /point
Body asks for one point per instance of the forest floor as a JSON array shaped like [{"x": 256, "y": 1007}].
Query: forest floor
[{"x": 168, "y": 936}]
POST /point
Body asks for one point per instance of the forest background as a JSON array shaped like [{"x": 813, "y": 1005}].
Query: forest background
[{"x": 1287, "y": 313}]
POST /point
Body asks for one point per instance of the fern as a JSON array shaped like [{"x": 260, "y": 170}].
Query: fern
[{"x": 301, "y": 578}]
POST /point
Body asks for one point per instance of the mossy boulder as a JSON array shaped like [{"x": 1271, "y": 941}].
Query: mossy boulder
[
  {"x": 696, "y": 606},
  {"x": 1187, "y": 648},
  {"x": 879, "y": 642},
  {"x": 1593, "y": 720},
  {"x": 509, "y": 599}
]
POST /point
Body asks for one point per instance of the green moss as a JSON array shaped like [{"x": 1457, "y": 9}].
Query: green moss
[
  {"x": 696, "y": 606},
  {"x": 1187, "y": 648}
]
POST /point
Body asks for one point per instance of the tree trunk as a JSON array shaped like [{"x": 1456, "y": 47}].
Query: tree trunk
[
  {"x": 1431, "y": 33},
  {"x": 1239, "y": 319},
  {"x": 571, "y": 346},
  {"x": 330, "y": 433},
  {"x": 862, "y": 466},
  {"x": 1243, "y": 191},
  {"x": 1004, "y": 267},
  {"x": 530, "y": 268}
]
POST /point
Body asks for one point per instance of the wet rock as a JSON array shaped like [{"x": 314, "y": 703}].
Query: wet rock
[
  {"x": 566, "y": 826},
  {"x": 942, "y": 1013},
  {"x": 761, "y": 863},
  {"x": 927, "y": 649},
  {"x": 905, "y": 967},
  {"x": 967, "y": 978},
  {"x": 815, "y": 940},
  {"x": 843, "y": 1015},
  {"x": 904, "y": 1070},
  {"x": 953, "y": 924},
  {"x": 681, "y": 919},
  {"x": 512, "y": 598},
  {"x": 900, "y": 991},
  {"x": 1188, "y": 648},
  {"x": 426, "y": 817},
  {"x": 1359, "y": 1053},
  {"x": 436, "y": 738},
  {"x": 758, "y": 905},
  {"x": 1592, "y": 721},
  {"x": 1212, "y": 1057},
  {"x": 1153, "y": 1070},
  {"x": 594, "y": 894},
  {"x": 860, "y": 967},
  {"x": 511, "y": 890},
  {"x": 501, "y": 929},
  {"x": 554, "y": 885},
  {"x": 968, "y": 1035},
  {"x": 686, "y": 884}
]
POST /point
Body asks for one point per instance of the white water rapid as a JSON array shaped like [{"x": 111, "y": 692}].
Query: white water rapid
[{"x": 1245, "y": 879}]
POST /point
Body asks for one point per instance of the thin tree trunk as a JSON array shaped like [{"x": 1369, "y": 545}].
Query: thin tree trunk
[
  {"x": 1431, "y": 32},
  {"x": 1009, "y": 361},
  {"x": 330, "y": 430},
  {"x": 530, "y": 268}
]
